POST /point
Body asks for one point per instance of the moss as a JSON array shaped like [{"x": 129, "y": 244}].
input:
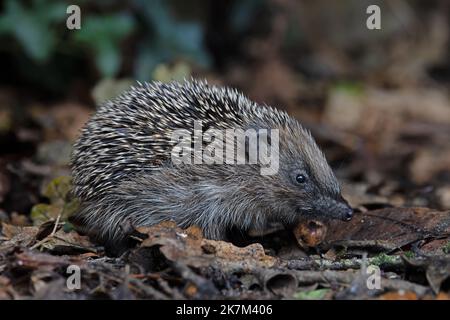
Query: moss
[
  {"x": 383, "y": 258},
  {"x": 318, "y": 294},
  {"x": 446, "y": 248}
]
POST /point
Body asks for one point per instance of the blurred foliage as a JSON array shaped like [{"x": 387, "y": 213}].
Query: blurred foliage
[
  {"x": 170, "y": 39},
  {"x": 145, "y": 40},
  {"x": 108, "y": 88},
  {"x": 130, "y": 39},
  {"x": 178, "y": 72},
  {"x": 103, "y": 34},
  {"x": 32, "y": 26}
]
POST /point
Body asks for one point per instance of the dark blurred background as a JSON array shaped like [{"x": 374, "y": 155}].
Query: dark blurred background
[{"x": 377, "y": 100}]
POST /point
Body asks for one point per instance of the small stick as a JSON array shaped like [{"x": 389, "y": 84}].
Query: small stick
[
  {"x": 51, "y": 235},
  {"x": 55, "y": 226}
]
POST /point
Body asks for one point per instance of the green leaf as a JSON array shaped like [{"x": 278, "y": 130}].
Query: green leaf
[
  {"x": 43, "y": 212},
  {"x": 58, "y": 188}
]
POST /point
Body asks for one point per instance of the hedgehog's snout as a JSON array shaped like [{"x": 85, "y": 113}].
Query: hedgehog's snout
[
  {"x": 348, "y": 214},
  {"x": 334, "y": 209}
]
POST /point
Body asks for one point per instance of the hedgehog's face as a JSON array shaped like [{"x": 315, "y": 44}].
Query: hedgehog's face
[
  {"x": 308, "y": 185},
  {"x": 306, "y": 196}
]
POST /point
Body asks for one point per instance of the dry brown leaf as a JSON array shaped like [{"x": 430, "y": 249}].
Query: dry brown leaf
[
  {"x": 189, "y": 247},
  {"x": 392, "y": 227},
  {"x": 17, "y": 235},
  {"x": 68, "y": 241}
]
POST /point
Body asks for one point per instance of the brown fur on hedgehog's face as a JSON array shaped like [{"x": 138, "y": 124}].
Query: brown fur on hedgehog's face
[{"x": 305, "y": 185}]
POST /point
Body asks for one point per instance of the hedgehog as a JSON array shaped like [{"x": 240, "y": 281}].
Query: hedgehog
[{"x": 125, "y": 174}]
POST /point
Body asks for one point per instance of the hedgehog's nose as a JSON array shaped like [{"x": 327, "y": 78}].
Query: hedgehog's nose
[{"x": 348, "y": 214}]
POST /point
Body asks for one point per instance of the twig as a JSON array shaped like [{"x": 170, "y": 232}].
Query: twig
[
  {"x": 147, "y": 289},
  {"x": 343, "y": 264},
  {"x": 327, "y": 276},
  {"x": 349, "y": 276},
  {"x": 51, "y": 235},
  {"x": 55, "y": 226}
]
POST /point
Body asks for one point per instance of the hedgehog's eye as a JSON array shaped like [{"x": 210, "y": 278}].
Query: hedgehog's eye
[{"x": 300, "y": 178}]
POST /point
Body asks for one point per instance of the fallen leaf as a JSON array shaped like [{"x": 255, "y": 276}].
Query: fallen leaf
[
  {"x": 68, "y": 242},
  {"x": 17, "y": 235},
  {"x": 189, "y": 247},
  {"x": 390, "y": 228}
]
